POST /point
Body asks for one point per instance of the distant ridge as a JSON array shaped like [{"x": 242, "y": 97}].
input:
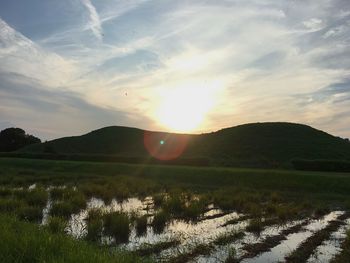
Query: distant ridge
[{"x": 270, "y": 144}]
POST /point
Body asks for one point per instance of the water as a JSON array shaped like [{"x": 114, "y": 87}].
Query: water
[
  {"x": 205, "y": 231},
  {"x": 279, "y": 252},
  {"x": 329, "y": 248}
]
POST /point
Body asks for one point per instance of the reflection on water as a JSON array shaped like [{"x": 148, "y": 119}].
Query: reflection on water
[
  {"x": 279, "y": 252},
  {"x": 208, "y": 229},
  {"x": 329, "y": 248}
]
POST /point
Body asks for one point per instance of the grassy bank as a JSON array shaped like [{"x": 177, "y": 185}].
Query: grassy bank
[{"x": 25, "y": 242}]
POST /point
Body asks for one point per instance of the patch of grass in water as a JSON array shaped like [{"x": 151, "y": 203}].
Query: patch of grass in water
[
  {"x": 159, "y": 221},
  {"x": 344, "y": 255},
  {"x": 158, "y": 199},
  {"x": 94, "y": 225},
  {"x": 194, "y": 209},
  {"x": 232, "y": 256},
  {"x": 141, "y": 225},
  {"x": 229, "y": 237},
  {"x": 117, "y": 225},
  {"x": 255, "y": 225},
  {"x": 149, "y": 249}
]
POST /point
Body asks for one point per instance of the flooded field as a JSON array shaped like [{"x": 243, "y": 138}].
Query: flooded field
[
  {"x": 166, "y": 214},
  {"x": 216, "y": 235}
]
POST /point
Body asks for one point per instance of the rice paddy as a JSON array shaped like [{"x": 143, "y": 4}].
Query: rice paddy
[{"x": 148, "y": 219}]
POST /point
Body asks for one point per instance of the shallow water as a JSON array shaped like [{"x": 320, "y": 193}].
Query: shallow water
[
  {"x": 279, "y": 252},
  {"x": 221, "y": 252},
  {"x": 329, "y": 248},
  {"x": 207, "y": 230}
]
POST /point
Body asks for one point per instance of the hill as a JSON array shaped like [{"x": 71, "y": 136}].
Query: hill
[{"x": 253, "y": 145}]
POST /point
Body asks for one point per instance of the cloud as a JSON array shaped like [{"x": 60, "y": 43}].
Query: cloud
[
  {"x": 95, "y": 22},
  {"x": 269, "y": 57},
  {"x": 59, "y": 109},
  {"x": 21, "y": 55}
]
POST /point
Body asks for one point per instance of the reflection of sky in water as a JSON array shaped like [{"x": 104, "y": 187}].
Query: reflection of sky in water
[
  {"x": 279, "y": 252},
  {"x": 329, "y": 248},
  {"x": 207, "y": 230}
]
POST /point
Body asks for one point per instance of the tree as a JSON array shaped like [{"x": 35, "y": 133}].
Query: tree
[{"x": 12, "y": 139}]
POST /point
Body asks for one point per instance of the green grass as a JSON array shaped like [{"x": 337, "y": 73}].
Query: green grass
[
  {"x": 94, "y": 225},
  {"x": 25, "y": 242},
  {"x": 344, "y": 255},
  {"x": 56, "y": 224},
  {"x": 159, "y": 221},
  {"x": 117, "y": 225},
  {"x": 179, "y": 192},
  {"x": 141, "y": 225}
]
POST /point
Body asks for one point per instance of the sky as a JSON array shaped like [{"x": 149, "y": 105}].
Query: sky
[{"x": 69, "y": 67}]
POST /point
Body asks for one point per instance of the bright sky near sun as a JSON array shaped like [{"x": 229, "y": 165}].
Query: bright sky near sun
[{"x": 68, "y": 67}]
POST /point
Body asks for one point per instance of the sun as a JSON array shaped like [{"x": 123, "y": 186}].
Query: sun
[{"x": 183, "y": 108}]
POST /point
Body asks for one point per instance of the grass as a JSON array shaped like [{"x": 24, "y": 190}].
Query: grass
[
  {"x": 141, "y": 225},
  {"x": 198, "y": 249},
  {"x": 117, "y": 225},
  {"x": 56, "y": 224},
  {"x": 229, "y": 237},
  {"x": 232, "y": 256},
  {"x": 306, "y": 248},
  {"x": 178, "y": 192},
  {"x": 30, "y": 213},
  {"x": 94, "y": 225},
  {"x": 62, "y": 209},
  {"x": 159, "y": 221},
  {"x": 255, "y": 225},
  {"x": 149, "y": 249},
  {"x": 344, "y": 256},
  {"x": 22, "y": 242}
]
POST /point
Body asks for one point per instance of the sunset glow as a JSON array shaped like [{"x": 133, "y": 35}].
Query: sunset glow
[{"x": 184, "y": 108}]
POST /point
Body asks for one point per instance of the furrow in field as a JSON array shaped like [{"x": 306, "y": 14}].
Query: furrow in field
[
  {"x": 332, "y": 247},
  {"x": 253, "y": 250},
  {"x": 293, "y": 240},
  {"x": 308, "y": 246},
  {"x": 221, "y": 252}
]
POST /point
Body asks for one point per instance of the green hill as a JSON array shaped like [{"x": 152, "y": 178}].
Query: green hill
[{"x": 254, "y": 145}]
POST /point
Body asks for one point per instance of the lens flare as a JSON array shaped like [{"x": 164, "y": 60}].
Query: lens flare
[{"x": 165, "y": 146}]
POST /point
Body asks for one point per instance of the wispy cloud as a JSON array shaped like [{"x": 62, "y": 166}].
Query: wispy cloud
[
  {"x": 267, "y": 57},
  {"x": 95, "y": 22}
]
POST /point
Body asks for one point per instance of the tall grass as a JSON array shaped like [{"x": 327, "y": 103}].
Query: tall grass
[
  {"x": 24, "y": 242},
  {"x": 159, "y": 221},
  {"x": 117, "y": 225},
  {"x": 56, "y": 224},
  {"x": 94, "y": 225},
  {"x": 141, "y": 225}
]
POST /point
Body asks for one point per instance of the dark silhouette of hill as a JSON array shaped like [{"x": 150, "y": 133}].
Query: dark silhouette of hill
[{"x": 254, "y": 145}]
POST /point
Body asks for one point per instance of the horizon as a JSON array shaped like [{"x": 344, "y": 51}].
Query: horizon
[{"x": 70, "y": 67}]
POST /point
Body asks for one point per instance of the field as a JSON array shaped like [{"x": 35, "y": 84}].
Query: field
[{"x": 61, "y": 211}]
